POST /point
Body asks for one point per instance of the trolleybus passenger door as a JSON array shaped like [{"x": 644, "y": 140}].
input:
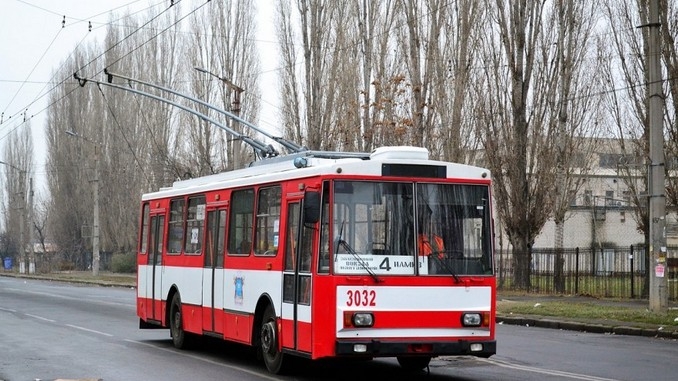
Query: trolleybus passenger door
[
  {"x": 297, "y": 281},
  {"x": 153, "y": 270},
  {"x": 213, "y": 274}
]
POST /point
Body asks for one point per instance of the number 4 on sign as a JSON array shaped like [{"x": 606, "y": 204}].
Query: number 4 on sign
[{"x": 385, "y": 265}]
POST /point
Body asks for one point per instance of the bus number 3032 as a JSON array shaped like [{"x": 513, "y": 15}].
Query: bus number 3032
[{"x": 361, "y": 298}]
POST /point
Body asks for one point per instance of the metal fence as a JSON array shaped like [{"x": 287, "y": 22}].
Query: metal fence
[{"x": 607, "y": 272}]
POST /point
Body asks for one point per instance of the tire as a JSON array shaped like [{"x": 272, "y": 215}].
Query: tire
[
  {"x": 413, "y": 363},
  {"x": 268, "y": 340},
  {"x": 180, "y": 338}
]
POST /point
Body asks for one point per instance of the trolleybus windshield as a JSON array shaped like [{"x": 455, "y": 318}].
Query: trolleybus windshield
[{"x": 407, "y": 228}]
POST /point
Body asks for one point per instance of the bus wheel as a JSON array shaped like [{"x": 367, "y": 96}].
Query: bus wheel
[
  {"x": 413, "y": 363},
  {"x": 179, "y": 336},
  {"x": 273, "y": 358}
]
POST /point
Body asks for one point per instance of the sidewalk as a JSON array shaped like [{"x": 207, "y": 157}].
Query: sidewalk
[{"x": 594, "y": 325}]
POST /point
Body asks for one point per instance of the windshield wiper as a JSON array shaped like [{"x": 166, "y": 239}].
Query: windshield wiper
[
  {"x": 349, "y": 249},
  {"x": 444, "y": 264}
]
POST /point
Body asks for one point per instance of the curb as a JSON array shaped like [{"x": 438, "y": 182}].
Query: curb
[
  {"x": 94, "y": 282},
  {"x": 588, "y": 327}
]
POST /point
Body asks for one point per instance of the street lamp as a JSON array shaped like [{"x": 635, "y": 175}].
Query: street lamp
[
  {"x": 237, "y": 90},
  {"x": 23, "y": 217},
  {"x": 95, "y": 190}
]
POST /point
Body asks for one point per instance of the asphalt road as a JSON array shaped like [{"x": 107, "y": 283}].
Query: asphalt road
[{"x": 51, "y": 330}]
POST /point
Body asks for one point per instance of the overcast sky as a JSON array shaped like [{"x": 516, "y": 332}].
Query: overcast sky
[{"x": 34, "y": 41}]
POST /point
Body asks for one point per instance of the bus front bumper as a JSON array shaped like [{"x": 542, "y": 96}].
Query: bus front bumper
[{"x": 380, "y": 348}]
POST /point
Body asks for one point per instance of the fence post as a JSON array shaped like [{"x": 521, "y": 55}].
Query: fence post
[
  {"x": 576, "y": 271},
  {"x": 631, "y": 258}
]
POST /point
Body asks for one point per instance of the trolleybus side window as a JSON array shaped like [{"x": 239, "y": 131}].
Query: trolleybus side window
[
  {"x": 176, "y": 226},
  {"x": 324, "y": 260},
  {"x": 305, "y": 256},
  {"x": 291, "y": 241},
  {"x": 216, "y": 232},
  {"x": 195, "y": 225},
  {"x": 240, "y": 223},
  {"x": 145, "y": 220},
  {"x": 292, "y": 236},
  {"x": 268, "y": 221}
]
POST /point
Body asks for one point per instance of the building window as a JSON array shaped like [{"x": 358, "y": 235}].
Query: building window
[
  {"x": 609, "y": 198},
  {"x": 588, "y": 197}
]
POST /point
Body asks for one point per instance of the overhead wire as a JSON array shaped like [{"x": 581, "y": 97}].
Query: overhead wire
[
  {"x": 348, "y": 46},
  {"x": 32, "y": 70},
  {"x": 60, "y": 30},
  {"x": 94, "y": 59},
  {"x": 66, "y": 60},
  {"x": 124, "y": 135}
]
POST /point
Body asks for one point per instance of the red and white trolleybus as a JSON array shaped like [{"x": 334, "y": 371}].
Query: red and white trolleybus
[{"x": 325, "y": 255}]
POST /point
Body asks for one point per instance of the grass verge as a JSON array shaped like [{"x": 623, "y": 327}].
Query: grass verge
[{"x": 576, "y": 310}]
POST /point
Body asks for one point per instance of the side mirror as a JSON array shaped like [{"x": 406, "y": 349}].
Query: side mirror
[{"x": 311, "y": 207}]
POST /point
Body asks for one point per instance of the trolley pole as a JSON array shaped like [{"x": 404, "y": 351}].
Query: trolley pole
[{"x": 657, "y": 212}]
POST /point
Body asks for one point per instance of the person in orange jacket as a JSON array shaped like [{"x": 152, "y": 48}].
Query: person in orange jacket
[{"x": 430, "y": 244}]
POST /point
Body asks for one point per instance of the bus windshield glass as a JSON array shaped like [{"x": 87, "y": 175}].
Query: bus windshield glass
[{"x": 407, "y": 228}]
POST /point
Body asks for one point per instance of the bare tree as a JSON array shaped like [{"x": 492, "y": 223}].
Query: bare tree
[
  {"x": 312, "y": 101},
  {"x": 71, "y": 108},
  {"x": 576, "y": 111},
  {"x": 627, "y": 99},
  {"x": 290, "y": 114},
  {"x": 626, "y": 105},
  {"x": 517, "y": 143},
  {"x": 375, "y": 21},
  {"x": 222, "y": 43},
  {"x": 18, "y": 169},
  {"x": 669, "y": 19}
]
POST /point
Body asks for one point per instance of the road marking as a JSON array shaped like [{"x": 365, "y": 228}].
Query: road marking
[
  {"x": 7, "y": 310},
  {"x": 51, "y": 295},
  {"x": 41, "y": 318},
  {"x": 265, "y": 376},
  {"x": 89, "y": 330},
  {"x": 550, "y": 372}
]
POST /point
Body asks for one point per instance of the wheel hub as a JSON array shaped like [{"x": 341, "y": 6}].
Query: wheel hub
[{"x": 268, "y": 337}]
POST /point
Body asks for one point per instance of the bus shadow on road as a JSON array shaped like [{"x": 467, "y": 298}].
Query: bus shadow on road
[{"x": 242, "y": 356}]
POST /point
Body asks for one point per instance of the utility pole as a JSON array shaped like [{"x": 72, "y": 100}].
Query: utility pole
[
  {"x": 22, "y": 223},
  {"x": 95, "y": 190},
  {"x": 31, "y": 229},
  {"x": 235, "y": 109},
  {"x": 657, "y": 251},
  {"x": 95, "y": 224}
]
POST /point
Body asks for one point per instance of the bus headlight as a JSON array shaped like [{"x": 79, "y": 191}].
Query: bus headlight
[
  {"x": 358, "y": 319},
  {"x": 471, "y": 319},
  {"x": 363, "y": 319}
]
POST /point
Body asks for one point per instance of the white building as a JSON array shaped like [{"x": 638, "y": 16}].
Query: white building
[{"x": 603, "y": 212}]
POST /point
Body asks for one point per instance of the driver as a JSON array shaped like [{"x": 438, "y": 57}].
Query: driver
[{"x": 429, "y": 244}]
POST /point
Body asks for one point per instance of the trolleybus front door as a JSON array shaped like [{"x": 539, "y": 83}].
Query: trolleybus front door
[
  {"x": 153, "y": 270},
  {"x": 296, "y": 309},
  {"x": 213, "y": 274}
]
